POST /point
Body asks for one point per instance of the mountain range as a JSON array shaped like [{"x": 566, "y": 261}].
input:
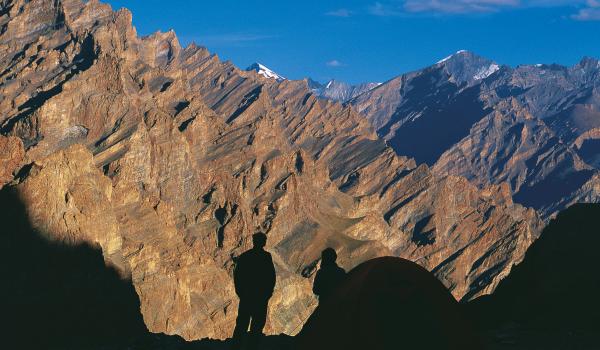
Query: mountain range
[
  {"x": 533, "y": 127},
  {"x": 169, "y": 159},
  {"x": 333, "y": 90}
]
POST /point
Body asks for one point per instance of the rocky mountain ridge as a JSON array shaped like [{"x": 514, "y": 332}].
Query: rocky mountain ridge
[
  {"x": 338, "y": 90},
  {"x": 332, "y": 90},
  {"x": 169, "y": 159},
  {"x": 534, "y": 127},
  {"x": 265, "y": 71}
]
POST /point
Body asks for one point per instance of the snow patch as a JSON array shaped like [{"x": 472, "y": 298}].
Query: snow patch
[
  {"x": 486, "y": 72},
  {"x": 444, "y": 59},
  {"x": 449, "y": 57},
  {"x": 265, "y": 71}
]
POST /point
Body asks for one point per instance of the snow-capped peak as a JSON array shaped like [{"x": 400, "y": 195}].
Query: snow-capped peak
[
  {"x": 338, "y": 90},
  {"x": 449, "y": 57},
  {"x": 265, "y": 71},
  {"x": 466, "y": 67}
]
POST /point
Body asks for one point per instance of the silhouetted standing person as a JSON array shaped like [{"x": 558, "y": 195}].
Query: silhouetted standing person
[
  {"x": 329, "y": 276},
  {"x": 254, "y": 278}
]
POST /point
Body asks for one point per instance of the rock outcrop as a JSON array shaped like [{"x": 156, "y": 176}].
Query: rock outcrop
[
  {"x": 11, "y": 158},
  {"x": 169, "y": 159}
]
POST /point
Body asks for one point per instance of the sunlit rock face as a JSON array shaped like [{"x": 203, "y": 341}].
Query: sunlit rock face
[
  {"x": 535, "y": 127},
  {"x": 169, "y": 160},
  {"x": 11, "y": 158}
]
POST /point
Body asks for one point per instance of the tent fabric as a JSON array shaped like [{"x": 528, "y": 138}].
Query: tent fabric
[{"x": 388, "y": 303}]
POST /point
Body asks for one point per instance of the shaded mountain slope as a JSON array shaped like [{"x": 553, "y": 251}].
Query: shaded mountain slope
[
  {"x": 550, "y": 300},
  {"x": 62, "y": 293},
  {"x": 169, "y": 159},
  {"x": 534, "y": 127}
]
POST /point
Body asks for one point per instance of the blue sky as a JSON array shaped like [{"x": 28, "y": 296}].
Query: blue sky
[{"x": 359, "y": 41}]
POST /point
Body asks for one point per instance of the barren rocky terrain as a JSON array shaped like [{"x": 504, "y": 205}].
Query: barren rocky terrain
[
  {"x": 533, "y": 127},
  {"x": 168, "y": 159}
]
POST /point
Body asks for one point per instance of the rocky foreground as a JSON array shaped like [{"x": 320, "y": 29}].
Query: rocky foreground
[
  {"x": 550, "y": 300},
  {"x": 168, "y": 159}
]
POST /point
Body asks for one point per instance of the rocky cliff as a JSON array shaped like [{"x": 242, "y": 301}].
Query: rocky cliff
[{"x": 169, "y": 159}]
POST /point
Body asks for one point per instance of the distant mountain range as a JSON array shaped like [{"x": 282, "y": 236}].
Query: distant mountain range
[
  {"x": 333, "y": 89},
  {"x": 534, "y": 127},
  {"x": 338, "y": 90}
]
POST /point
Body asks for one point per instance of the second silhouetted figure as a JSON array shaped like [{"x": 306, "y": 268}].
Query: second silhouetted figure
[
  {"x": 329, "y": 276},
  {"x": 254, "y": 278}
]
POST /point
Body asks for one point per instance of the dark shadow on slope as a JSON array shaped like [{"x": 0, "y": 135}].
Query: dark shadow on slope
[
  {"x": 247, "y": 100},
  {"x": 553, "y": 296},
  {"x": 590, "y": 152},
  {"x": 447, "y": 114},
  {"x": 575, "y": 114},
  {"x": 559, "y": 184},
  {"x": 388, "y": 303},
  {"x": 423, "y": 234},
  {"x": 354, "y": 155},
  {"x": 56, "y": 295},
  {"x": 63, "y": 296}
]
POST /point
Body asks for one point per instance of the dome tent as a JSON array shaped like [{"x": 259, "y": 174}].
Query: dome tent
[{"x": 388, "y": 303}]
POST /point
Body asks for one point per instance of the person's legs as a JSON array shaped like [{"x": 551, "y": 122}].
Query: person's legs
[
  {"x": 241, "y": 323},
  {"x": 259, "y": 318}
]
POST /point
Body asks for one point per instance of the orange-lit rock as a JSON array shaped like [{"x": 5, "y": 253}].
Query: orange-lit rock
[{"x": 170, "y": 159}]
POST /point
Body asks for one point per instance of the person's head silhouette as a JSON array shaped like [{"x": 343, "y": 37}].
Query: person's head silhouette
[
  {"x": 259, "y": 240},
  {"x": 328, "y": 256}
]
